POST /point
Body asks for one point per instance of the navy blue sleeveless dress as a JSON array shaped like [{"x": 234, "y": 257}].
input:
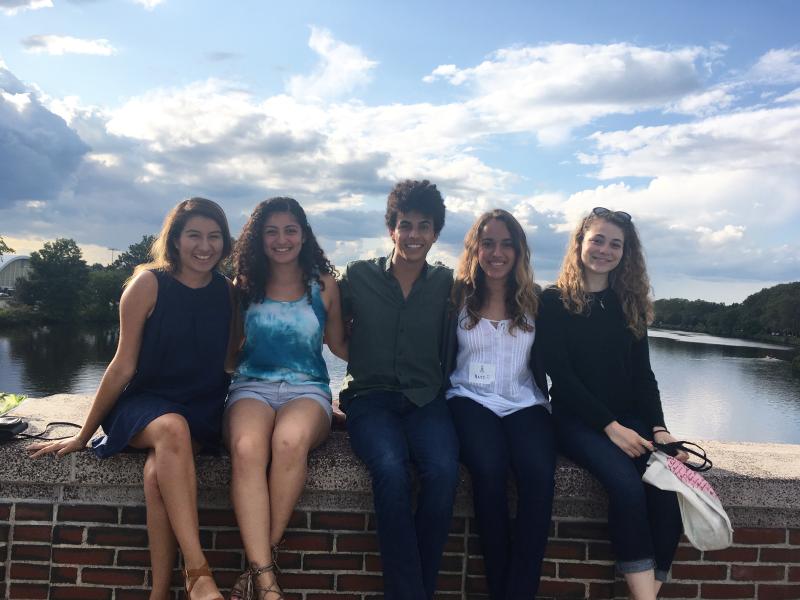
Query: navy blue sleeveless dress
[{"x": 181, "y": 366}]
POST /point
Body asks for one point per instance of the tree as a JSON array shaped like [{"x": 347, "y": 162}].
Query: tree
[
  {"x": 137, "y": 254},
  {"x": 102, "y": 294},
  {"x": 3, "y": 248},
  {"x": 57, "y": 278}
]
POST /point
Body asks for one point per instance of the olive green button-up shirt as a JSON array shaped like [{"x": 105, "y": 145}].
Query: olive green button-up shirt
[{"x": 396, "y": 344}]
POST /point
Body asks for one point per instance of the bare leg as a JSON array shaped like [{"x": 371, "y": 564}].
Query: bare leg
[
  {"x": 641, "y": 585},
  {"x": 249, "y": 425},
  {"x": 163, "y": 546},
  {"x": 301, "y": 425},
  {"x": 169, "y": 438},
  {"x": 658, "y": 586}
]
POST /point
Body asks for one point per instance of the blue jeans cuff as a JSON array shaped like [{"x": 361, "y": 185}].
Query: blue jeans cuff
[
  {"x": 636, "y": 566},
  {"x": 662, "y": 576}
]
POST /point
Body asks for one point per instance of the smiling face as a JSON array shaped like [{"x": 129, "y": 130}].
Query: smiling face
[
  {"x": 601, "y": 248},
  {"x": 496, "y": 253},
  {"x": 413, "y": 236},
  {"x": 282, "y": 238},
  {"x": 200, "y": 245}
]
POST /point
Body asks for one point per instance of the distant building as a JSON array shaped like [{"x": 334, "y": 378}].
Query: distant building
[{"x": 12, "y": 267}]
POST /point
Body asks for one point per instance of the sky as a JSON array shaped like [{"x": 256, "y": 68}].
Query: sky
[{"x": 684, "y": 114}]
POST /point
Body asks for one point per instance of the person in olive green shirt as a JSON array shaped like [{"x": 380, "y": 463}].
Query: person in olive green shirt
[{"x": 393, "y": 396}]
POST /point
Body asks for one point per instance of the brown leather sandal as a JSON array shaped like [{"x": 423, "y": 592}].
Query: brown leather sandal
[
  {"x": 192, "y": 575},
  {"x": 246, "y": 586}
]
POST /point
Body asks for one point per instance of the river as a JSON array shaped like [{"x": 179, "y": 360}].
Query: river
[{"x": 711, "y": 387}]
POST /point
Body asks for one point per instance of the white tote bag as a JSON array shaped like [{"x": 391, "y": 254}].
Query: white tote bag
[{"x": 705, "y": 522}]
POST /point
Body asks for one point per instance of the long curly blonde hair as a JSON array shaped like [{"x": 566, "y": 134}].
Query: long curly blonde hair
[
  {"x": 628, "y": 280},
  {"x": 469, "y": 289}
]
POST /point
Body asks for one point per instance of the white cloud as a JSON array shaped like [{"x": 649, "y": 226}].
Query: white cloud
[
  {"x": 729, "y": 233},
  {"x": 12, "y": 7},
  {"x": 793, "y": 96},
  {"x": 58, "y": 45},
  {"x": 341, "y": 69},
  {"x": 704, "y": 103},
  {"x": 149, "y": 4},
  {"x": 777, "y": 67}
]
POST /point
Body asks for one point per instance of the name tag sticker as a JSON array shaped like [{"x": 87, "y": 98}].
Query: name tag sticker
[{"x": 481, "y": 373}]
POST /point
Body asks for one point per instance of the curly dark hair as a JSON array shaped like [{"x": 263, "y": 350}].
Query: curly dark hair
[
  {"x": 421, "y": 196},
  {"x": 250, "y": 264}
]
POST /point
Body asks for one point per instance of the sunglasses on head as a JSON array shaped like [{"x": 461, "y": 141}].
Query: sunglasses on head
[{"x": 620, "y": 215}]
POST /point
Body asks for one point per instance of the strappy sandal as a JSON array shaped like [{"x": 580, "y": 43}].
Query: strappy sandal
[
  {"x": 246, "y": 586},
  {"x": 276, "y": 550},
  {"x": 192, "y": 575}
]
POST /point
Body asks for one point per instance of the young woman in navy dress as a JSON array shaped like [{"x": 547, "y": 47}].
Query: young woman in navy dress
[
  {"x": 498, "y": 398},
  {"x": 606, "y": 403},
  {"x": 164, "y": 390}
]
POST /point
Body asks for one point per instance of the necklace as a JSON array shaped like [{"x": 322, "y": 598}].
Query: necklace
[{"x": 600, "y": 297}]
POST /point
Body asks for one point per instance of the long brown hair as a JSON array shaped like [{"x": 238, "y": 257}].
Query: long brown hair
[
  {"x": 629, "y": 280},
  {"x": 164, "y": 250},
  {"x": 469, "y": 289}
]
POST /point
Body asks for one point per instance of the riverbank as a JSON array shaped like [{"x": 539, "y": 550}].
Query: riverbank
[
  {"x": 786, "y": 340},
  {"x": 75, "y": 528}
]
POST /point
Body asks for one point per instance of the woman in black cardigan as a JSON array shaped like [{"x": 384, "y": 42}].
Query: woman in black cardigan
[
  {"x": 606, "y": 403},
  {"x": 498, "y": 398}
]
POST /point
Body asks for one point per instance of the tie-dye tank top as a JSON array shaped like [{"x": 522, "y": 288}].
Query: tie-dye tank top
[{"x": 283, "y": 342}]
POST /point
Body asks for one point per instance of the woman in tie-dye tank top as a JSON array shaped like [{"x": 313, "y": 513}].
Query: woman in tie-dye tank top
[{"x": 279, "y": 405}]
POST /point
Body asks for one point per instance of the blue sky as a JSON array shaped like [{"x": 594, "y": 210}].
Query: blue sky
[{"x": 685, "y": 114}]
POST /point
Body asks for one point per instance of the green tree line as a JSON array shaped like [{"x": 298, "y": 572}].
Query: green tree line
[{"x": 772, "y": 311}]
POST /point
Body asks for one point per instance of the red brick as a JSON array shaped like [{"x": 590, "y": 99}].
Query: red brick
[
  {"x": 548, "y": 569},
  {"x": 67, "y": 534},
  {"x": 120, "y": 594},
  {"x": 79, "y": 593},
  {"x": 225, "y": 559},
  {"x": 333, "y": 596},
  {"x": 359, "y": 583},
  {"x": 757, "y": 573},
  {"x": 758, "y": 535},
  {"x": 33, "y": 512},
  {"x": 32, "y": 533},
  {"x": 133, "y": 558},
  {"x": 357, "y": 542},
  {"x": 29, "y": 591},
  {"x": 738, "y": 554},
  {"x": 794, "y": 537},
  {"x": 88, "y": 513},
  {"x": 600, "y": 591},
  {"x": 290, "y": 560},
  {"x": 372, "y": 563},
  {"x": 298, "y": 520},
  {"x": 303, "y": 581},
  {"x": 308, "y": 541},
  {"x": 217, "y": 517},
  {"x": 476, "y": 585},
  {"x": 227, "y": 539},
  {"x": 5, "y": 512},
  {"x": 585, "y": 571},
  {"x": 687, "y": 554},
  {"x": 562, "y": 589},
  {"x": 714, "y": 591},
  {"x": 458, "y": 525},
  {"x": 83, "y": 556},
  {"x": 338, "y": 521},
  {"x": 63, "y": 575},
  {"x": 780, "y": 555},
  {"x": 30, "y": 552},
  {"x": 446, "y": 583},
  {"x": 27, "y": 571},
  {"x": 582, "y": 530},
  {"x": 452, "y": 563},
  {"x": 133, "y": 515},
  {"x": 568, "y": 550},
  {"x": 112, "y": 576},
  {"x": 794, "y": 574},
  {"x": 674, "y": 589},
  {"x": 455, "y": 543},
  {"x": 778, "y": 592},
  {"x": 117, "y": 536},
  {"x": 699, "y": 571},
  {"x": 333, "y": 562}
]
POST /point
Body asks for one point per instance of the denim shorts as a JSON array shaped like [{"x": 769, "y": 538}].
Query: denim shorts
[{"x": 278, "y": 394}]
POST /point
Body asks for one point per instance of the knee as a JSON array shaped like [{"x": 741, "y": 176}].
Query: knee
[
  {"x": 171, "y": 433},
  {"x": 391, "y": 473},
  {"x": 248, "y": 451},
  {"x": 441, "y": 473},
  {"x": 290, "y": 445}
]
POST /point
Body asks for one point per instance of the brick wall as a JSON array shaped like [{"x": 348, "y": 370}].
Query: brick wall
[{"x": 99, "y": 552}]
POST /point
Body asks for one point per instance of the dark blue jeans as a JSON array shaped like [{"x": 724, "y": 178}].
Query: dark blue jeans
[
  {"x": 524, "y": 443},
  {"x": 644, "y": 522},
  {"x": 389, "y": 434}
]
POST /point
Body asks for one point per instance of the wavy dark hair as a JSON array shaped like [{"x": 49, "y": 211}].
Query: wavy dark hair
[
  {"x": 469, "y": 289},
  {"x": 250, "y": 264},
  {"x": 421, "y": 196},
  {"x": 629, "y": 280},
  {"x": 164, "y": 250}
]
